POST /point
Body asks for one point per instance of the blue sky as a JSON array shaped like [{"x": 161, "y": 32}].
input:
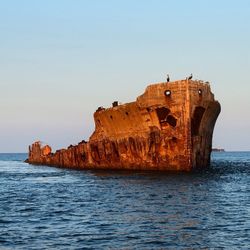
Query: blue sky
[{"x": 60, "y": 60}]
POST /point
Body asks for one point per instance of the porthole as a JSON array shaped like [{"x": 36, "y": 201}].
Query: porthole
[{"x": 167, "y": 93}]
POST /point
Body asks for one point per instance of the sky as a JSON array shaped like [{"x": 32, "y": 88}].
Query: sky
[{"x": 60, "y": 60}]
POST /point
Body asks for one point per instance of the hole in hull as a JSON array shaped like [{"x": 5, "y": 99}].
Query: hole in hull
[
  {"x": 171, "y": 121},
  {"x": 162, "y": 114}
]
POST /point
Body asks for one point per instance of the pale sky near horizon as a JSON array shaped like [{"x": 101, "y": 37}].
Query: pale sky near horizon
[{"x": 60, "y": 60}]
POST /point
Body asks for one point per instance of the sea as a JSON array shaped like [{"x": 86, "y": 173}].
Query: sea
[{"x": 45, "y": 207}]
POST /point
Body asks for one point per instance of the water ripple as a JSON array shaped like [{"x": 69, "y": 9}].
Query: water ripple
[{"x": 53, "y": 208}]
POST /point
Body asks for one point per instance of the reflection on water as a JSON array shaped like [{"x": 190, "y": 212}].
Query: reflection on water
[{"x": 43, "y": 207}]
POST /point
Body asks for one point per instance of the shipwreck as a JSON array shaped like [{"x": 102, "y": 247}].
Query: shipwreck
[{"x": 169, "y": 127}]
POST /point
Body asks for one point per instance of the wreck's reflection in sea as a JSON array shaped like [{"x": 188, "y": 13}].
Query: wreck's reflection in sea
[{"x": 44, "y": 208}]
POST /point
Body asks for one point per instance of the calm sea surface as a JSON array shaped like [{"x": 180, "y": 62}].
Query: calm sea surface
[{"x": 50, "y": 208}]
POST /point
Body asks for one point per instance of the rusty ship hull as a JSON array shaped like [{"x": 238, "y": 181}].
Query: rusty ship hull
[{"x": 169, "y": 127}]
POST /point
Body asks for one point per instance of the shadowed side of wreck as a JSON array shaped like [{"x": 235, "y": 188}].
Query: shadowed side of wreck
[{"x": 169, "y": 127}]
